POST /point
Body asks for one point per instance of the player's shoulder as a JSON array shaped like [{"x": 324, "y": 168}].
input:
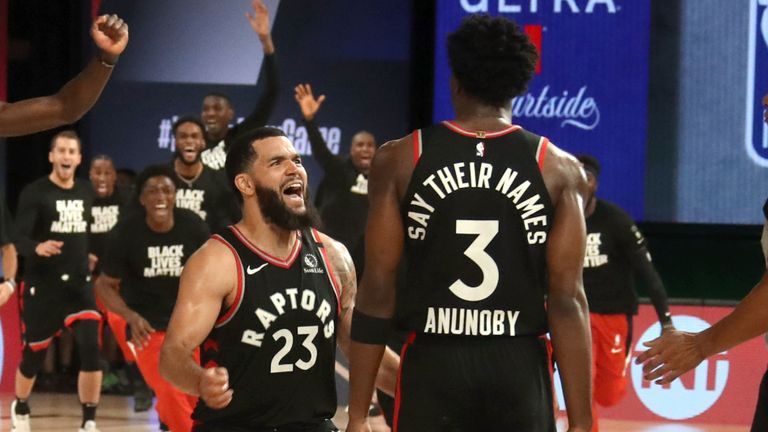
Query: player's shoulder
[
  {"x": 327, "y": 241},
  {"x": 612, "y": 208},
  {"x": 561, "y": 170}
]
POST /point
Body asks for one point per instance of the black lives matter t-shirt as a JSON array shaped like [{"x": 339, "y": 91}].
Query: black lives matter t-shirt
[
  {"x": 48, "y": 212},
  {"x": 105, "y": 214},
  {"x": 149, "y": 263},
  {"x": 613, "y": 244},
  {"x": 210, "y": 197}
]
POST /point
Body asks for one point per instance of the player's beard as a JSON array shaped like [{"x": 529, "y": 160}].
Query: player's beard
[{"x": 275, "y": 211}]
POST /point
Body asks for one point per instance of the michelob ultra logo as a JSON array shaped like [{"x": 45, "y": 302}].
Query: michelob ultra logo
[{"x": 757, "y": 82}]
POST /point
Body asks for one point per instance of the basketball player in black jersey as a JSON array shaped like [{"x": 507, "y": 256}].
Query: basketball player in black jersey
[
  {"x": 52, "y": 233},
  {"x": 110, "y": 34},
  {"x": 489, "y": 218},
  {"x": 201, "y": 189},
  {"x": 218, "y": 113},
  {"x": 676, "y": 352},
  {"x": 268, "y": 299}
]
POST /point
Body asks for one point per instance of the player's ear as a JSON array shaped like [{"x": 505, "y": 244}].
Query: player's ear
[{"x": 245, "y": 184}]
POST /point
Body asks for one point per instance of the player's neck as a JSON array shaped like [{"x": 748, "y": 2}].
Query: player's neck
[
  {"x": 188, "y": 172},
  {"x": 60, "y": 182},
  {"x": 268, "y": 237},
  {"x": 591, "y": 204},
  {"x": 474, "y": 116},
  {"x": 160, "y": 226}
]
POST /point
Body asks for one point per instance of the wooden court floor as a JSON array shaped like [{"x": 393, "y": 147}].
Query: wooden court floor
[{"x": 55, "y": 412}]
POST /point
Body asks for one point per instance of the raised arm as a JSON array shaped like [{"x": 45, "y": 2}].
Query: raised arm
[
  {"x": 259, "y": 21},
  {"x": 309, "y": 106},
  {"x": 344, "y": 270},
  {"x": 566, "y": 303},
  {"x": 375, "y": 304},
  {"x": 110, "y": 34},
  {"x": 207, "y": 281}
]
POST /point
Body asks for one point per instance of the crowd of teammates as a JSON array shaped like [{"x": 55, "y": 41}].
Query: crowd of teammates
[{"x": 238, "y": 331}]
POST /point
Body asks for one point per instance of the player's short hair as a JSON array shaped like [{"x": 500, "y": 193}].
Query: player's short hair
[
  {"x": 187, "y": 119},
  {"x": 159, "y": 170},
  {"x": 241, "y": 153},
  {"x": 220, "y": 96},
  {"x": 68, "y": 133},
  {"x": 102, "y": 157},
  {"x": 590, "y": 163},
  {"x": 491, "y": 58}
]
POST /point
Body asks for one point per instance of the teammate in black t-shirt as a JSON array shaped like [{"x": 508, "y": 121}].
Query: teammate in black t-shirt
[
  {"x": 8, "y": 250},
  {"x": 677, "y": 352},
  {"x": 52, "y": 222},
  {"x": 201, "y": 189},
  {"x": 342, "y": 196},
  {"x": 145, "y": 256},
  {"x": 110, "y": 34},
  {"x": 218, "y": 113},
  {"x": 109, "y": 205},
  {"x": 489, "y": 218},
  {"x": 268, "y": 300},
  {"x": 616, "y": 253}
]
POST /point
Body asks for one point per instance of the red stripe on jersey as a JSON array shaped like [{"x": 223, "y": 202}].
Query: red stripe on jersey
[
  {"x": 541, "y": 152},
  {"x": 332, "y": 277},
  {"x": 479, "y": 134},
  {"x": 82, "y": 315},
  {"x": 233, "y": 308},
  {"x": 398, "y": 395},
  {"x": 286, "y": 263},
  {"x": 417, "y": 149},
  {"x": 316, "y": 236}
]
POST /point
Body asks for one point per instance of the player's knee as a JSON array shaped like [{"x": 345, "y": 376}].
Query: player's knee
[
  {"x": 31, "y": 362},
  {"x": 87, "y": 335}
]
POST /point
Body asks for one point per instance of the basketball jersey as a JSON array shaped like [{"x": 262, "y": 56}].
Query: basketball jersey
[
  {"x": 278, "y": 339},
  {"x": 476, "y": 216}
]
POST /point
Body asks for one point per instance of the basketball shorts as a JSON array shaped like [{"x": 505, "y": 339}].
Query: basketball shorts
[
  {"x": 611, "y": 340},
  {"x": 49, "y": 304},
  {"x": 451, "y": 384}
]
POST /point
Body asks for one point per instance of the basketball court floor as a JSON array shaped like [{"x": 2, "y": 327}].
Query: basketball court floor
[{"x": 55, "y": 412}]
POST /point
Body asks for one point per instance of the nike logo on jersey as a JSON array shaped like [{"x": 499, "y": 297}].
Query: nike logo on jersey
[
  {"x": 616, "y": 350},
  {"x": 252, "y": 271}
]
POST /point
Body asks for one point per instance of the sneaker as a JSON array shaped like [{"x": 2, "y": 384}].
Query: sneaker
[
  {"x": 142, "y": 399},
  {"x": 19, "y": 422},
  {"x": 90, "y": 426}
]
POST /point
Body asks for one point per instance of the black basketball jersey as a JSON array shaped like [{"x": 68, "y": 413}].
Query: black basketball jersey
[
  {"x": 278, "y": 339},
  {"x": 476, "y": 216}
]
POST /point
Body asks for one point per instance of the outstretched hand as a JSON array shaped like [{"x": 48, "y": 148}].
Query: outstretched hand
[
  {"x": 307, "y": 102},
  {"x": 259, "y": 19},
  {"x": 110, "y": 33},
  {"x": 669, "y": 356}
]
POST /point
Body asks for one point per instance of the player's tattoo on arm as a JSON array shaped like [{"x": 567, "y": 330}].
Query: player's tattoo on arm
[{"x": 344, "y": 269}]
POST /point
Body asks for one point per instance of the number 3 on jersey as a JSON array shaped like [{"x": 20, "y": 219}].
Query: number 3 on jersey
[{"x": 485, "y": 230}]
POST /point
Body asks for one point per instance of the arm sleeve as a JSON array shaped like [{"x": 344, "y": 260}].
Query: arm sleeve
[
  {"x": 266, "y": 103},
  {"x": 320, "y": 151},
  {"x": 640, "y": 258},
  {"x": 26, "y": 216}
]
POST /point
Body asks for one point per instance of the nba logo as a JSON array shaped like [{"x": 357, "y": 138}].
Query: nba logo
[{"x": 757, "y": 82}]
